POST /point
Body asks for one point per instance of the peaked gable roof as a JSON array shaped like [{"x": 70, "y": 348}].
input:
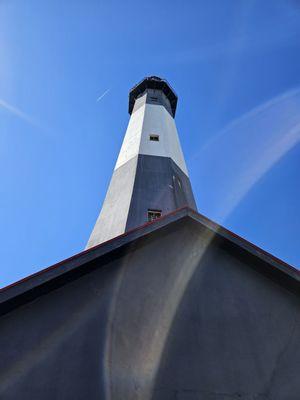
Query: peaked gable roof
[{"x": 82, "y": 263}]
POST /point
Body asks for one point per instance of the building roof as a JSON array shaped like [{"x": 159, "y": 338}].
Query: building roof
[{"x": 80, "y": 264}]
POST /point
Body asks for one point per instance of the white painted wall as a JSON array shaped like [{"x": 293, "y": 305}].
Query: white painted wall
[
  {"x": 151, "y": 119},
  {"x": 114, "y": 213},
  {"x": 132, "y": 139}
]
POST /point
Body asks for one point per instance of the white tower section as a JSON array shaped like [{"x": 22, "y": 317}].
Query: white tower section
[{"x": 149, "y": 120}]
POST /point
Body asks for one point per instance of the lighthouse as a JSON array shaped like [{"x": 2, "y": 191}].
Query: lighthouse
[{"x": 150, "y": 178}]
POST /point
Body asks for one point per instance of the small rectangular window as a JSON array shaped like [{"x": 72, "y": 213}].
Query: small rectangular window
[
  {"x": 153, "y": 215},
  {"x": 154, "y": 138},
  {"x": 153, "y": 98}
]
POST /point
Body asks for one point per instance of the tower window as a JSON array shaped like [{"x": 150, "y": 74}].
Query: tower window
[
  {"x": 154, "y": 138},
  {"x": 153, "y": 215},
  {"x": 153, "y": 98}
]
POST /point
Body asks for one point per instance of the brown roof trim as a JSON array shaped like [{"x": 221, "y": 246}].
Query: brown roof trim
[{"x": 246, "y": 244}]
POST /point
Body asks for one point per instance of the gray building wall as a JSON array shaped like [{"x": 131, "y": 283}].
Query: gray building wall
[
  {"x": 178, "y": 315},
  {"x": 142, "y": 183},
  {"x": 159, "y": 185}
]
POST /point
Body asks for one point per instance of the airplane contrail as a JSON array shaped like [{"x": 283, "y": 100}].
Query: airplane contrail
[{"x": 103, "y": 94}]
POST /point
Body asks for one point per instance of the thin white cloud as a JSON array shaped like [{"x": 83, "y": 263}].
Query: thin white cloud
[
  {"x": 261, "y": 137},
  {"x": 248, "y": 177},
  {"x": 103, "y": 94},
  {"x": 252, "y": 115},
  {"x": 22, "y": 115}
]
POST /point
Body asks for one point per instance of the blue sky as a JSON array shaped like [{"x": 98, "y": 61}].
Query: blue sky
[{"x": 235, "y": 66}]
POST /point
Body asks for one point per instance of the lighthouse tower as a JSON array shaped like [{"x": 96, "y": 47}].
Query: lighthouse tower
[{"x": 150, "y": 178}]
